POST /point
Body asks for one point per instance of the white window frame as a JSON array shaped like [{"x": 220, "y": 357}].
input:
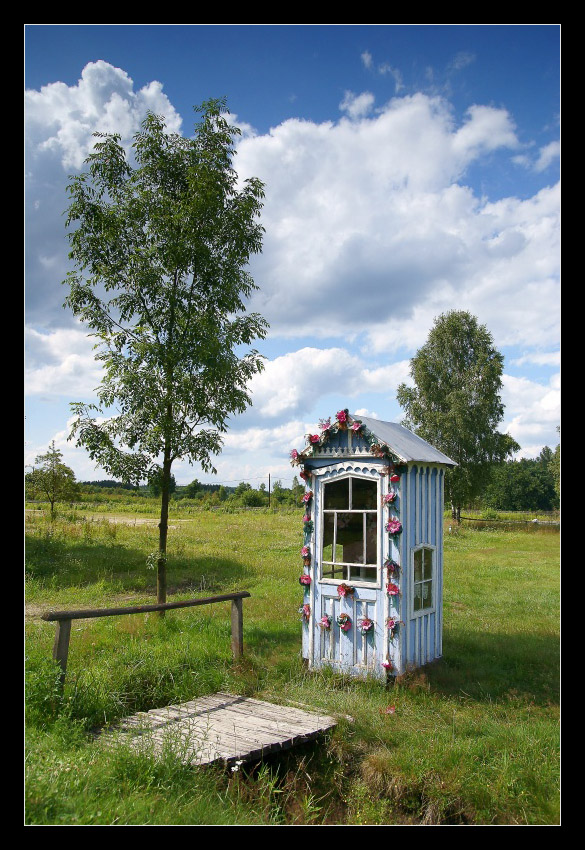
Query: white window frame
[
  {"x": 433, "y": 606},
  {"x": 336, "y": 580}
]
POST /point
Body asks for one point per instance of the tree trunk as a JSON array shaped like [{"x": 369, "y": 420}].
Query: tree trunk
[
  {"x": 456, "y": 513},
  {"x": 163, "y": 526}
]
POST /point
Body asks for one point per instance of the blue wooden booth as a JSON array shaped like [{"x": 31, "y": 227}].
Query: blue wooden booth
[{"x": 372, "y": 559}]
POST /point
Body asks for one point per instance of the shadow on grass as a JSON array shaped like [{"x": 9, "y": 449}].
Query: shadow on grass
[
  {"x": 493, "y": 666},
  {"x": 63, "y": 564}
]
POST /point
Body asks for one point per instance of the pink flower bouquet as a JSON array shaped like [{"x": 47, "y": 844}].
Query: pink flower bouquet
[
  {"x": 344, "y": 622},
  {"x": 393, "y": 526},
  {"x": 365, "y": 625}
]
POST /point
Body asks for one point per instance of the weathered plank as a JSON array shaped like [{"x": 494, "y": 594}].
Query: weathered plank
[{"x": 219, "y": 727}]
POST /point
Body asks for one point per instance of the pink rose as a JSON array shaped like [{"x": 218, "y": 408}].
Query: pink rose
[
  {"x": 393, "y": 526},
  {"x": 314, "y": 438},
  {"x": 341, "y": 416}
]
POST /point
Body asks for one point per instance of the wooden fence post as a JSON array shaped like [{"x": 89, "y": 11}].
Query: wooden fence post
[
  {"x": 63, "y": 620},
  {"x": 61, "y": 645},
  {"x": 237, "y": 628}
]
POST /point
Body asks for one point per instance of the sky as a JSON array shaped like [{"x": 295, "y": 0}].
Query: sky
[{"x": 409, "y": 170}]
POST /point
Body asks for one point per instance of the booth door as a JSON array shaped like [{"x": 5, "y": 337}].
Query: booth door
[{"x": 348, "y": 550}]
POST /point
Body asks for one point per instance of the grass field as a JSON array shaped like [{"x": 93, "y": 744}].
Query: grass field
[{"x": 473, "y": 739}]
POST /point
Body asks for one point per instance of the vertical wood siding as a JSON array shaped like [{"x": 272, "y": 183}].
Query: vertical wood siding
[{"x": 423, "y": 521}]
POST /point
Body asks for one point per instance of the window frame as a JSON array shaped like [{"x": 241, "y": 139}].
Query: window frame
[
  {"x": 431, "y": 609},
  {"x": 346, "y": 566}
]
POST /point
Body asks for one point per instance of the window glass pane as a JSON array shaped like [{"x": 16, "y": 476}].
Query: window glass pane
[
  {"x": 371, "y": 538},
  {"x": 363, "y": 573},
  {"x": 337, "y": 494},
  {"x": 328, "y": 524},
  {"x": 350, "y": 534},
  {"x": 428, "y": 563},
  {"x": 418, "y": 570},
  {"x": 364, "y": 494},
  {"x": 417, "y": 597},
  {"x": 427, "y": 594}
]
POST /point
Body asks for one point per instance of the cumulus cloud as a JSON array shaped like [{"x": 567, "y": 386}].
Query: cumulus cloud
[
  {"x": 296, "y": 381},
  {"x": 370, "y": 226},
  {"x": 60, "y": 363},
  {"x": 546, "y": 156},
  {"x": 59, "y": 123},
  {"x": 532, "y": 412},
  {"x": 357, "y": 105}
]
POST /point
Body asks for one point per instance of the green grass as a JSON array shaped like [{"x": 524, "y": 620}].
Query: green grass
[{"x": 473, "y": 738}]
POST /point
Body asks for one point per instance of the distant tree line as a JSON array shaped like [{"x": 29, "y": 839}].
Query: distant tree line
[
  {"x": 525, "y": 485},
  {"x": 513, "y": 485}
]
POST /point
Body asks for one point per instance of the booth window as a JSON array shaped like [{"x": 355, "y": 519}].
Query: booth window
[
  {"x": 350, "y": 530},
  {"x": 423, "y": 579}
]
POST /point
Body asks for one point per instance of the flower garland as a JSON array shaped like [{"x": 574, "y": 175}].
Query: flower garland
[
  {"x": 392, "y": 625},
  {"x": 305, "y": 612},
  {"x": 345, "y": 590},
  {"x": 325, "y": 622},
  {"x": 392, "y": 566},
  {"x": 366, "y": 625},
  {"x": 345, "y": 422},
  {"x": 305, "y": 580},
  {"x": 394, "y": 527},
  {"x": 392, "y": 589},
  {"x": 344, "y": 622}
]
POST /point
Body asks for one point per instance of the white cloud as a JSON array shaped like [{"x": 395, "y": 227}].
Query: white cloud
[
  {"x": 357, "y": 105},
  {"x": 367, "y": 59},
  {"x": 539, "y": 358},
  {"x": 59, "y": 123},
  {"x": 533, "y": 411},
  {"x": 62, "y": 118},
  {"x": 547, "y": 155},
  {"x": 370, "y": 228},
  {"x": 60, "y": 363},
  {"x": 293, "y": 383}
]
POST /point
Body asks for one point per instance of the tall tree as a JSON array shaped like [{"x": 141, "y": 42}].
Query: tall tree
[
  {"x": 455, "y": 402},
  {"x": 161, "y": 241},
  {"x": 52, "y": 478}
]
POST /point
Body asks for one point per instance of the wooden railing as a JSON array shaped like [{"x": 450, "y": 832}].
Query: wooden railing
[{"x": 63, "y": 620}]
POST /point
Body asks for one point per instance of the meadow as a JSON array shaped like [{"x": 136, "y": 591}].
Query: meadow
[{"x": 472, "y": 739}]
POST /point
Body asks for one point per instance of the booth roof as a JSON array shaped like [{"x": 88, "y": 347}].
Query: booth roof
[{"x": 403, "y": 442}]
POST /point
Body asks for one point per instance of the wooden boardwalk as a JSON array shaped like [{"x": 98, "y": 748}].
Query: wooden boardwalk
[{"x": 218, "y": 728}]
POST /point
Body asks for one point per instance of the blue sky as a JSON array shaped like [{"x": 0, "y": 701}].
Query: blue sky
[{"x": 409, "y": 170}]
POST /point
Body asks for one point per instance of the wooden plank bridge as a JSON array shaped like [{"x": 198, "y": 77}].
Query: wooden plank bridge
[{"x": 221, "y": 727}]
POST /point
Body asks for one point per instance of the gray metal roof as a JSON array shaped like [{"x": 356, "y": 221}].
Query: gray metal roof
[{"x": 403, "y": 442}]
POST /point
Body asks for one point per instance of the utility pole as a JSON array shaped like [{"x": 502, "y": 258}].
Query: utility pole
[{"x": 268, "y": 489}]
